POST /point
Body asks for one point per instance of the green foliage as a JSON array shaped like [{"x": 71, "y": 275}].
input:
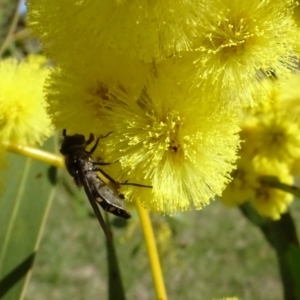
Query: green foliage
[
  {"x": 293, "y": 257},
  {"x": 282, "y": 236},
  {"x": 8, "y": 17},
  {"x": 211, "y": 254},
  {"x": 116, "y": 290},
  {"x": 200, "y": 255},
  {"x": 28, "y": 190}
]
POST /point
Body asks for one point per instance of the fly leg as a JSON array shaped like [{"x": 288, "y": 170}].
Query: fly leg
[
  {"x": 114, "y": 181},
  {"x": 91, "y": 139},
  {"x": 135, "y": 184}
]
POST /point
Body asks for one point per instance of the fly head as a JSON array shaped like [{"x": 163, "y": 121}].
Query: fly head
[{"x": 74, "y": 143}]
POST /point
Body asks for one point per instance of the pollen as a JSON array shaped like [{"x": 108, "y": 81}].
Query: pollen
[
  {"x": 146, "y": 30},
  {"x": 172, "y": 141},
  {"x": 161, "y": 135},
  {"x": 274, "y": 133},
  {"x": 271, "y": 147},
  {"x": 238, "y": 40}
]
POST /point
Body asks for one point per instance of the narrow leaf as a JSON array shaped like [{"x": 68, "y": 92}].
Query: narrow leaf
[
  {"x": 282, "y": 236},
  {"x": 25, "y": 200},
  {"x": 8, "y": 20},
  {"x": 293, "y": 257},
  {"x": 115, "y": 285}
]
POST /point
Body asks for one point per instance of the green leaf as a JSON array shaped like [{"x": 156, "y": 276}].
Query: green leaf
[
  {"x": 26, "y": 196},
  {"x": 252, "y": 215},
  {"x": 115, "y": 284},
  {"x": 282, "y": 236},
  {"x": 293, "y": 257},
  {"x": 8, "y": 20}
]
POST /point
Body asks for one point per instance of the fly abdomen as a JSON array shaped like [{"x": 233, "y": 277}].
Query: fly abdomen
[{"x": 112, "y": 208}]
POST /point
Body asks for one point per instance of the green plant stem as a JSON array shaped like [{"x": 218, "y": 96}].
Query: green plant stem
[
  {"x": 282, "y": 236},
  {"x": 9, "y": 15},
  {"x": 35, "y": 153},
  {"x": 273, "y": 182},
  {"x": 115, "y": 283},
  {"x": 158, "y": 279}
]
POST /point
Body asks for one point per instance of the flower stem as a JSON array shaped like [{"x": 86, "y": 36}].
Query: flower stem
[
  {"x": 152, "y": 252},
  {"x": 35, "y": 153},
  {"x": 273, "y": 181}
]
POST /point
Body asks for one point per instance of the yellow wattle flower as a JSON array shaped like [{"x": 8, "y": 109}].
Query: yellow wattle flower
[
  {"x": 227, "y": 44},
  {"x": 23, "y": 117},
  {"x": 271, "y": 130},
  {"x": 164, "y": 135},
  {"x": 287, "y": 98},
  {"x": 237, "y": 39},
  {"x": 241, "y": 188},
  {"x": 181, "y": 145},
  {"x": 271, "y": 202},
  {"x": 140, "y": 29},
  {"x": 78, "y": 92},
  {"x": 271, "y": 147},
  {"x": 248, "y": 186}
]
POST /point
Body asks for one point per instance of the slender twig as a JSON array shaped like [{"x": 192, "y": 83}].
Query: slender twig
[
  {"x": 13, "y": 9},
  {"x": 273, "y": 181},
  {"x": 152, "y": 252},
  {"x": 35, "y": 153},
  {"x": 21, "y": 34}
]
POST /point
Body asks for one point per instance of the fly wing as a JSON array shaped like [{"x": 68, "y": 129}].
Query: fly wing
[
  {"x": 110, "y": 200},
  {"x": 88, "y": 188}
]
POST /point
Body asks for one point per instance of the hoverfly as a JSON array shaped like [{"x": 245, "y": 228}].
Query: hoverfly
[{"x": 83, "y": 168}]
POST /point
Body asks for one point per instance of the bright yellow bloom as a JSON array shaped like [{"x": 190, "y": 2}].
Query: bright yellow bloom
[
  {"x": 276, "y": 139},
  {"x": 147, "y": 30},
  {"x": 247, "y": 185},
  {"x": 286, "y": 98},
  {"x": 241, "y": 188},
  {"x": 48, "y": 20},
  {"x": 271, "y": 202},
  {"x": 182, "y": 145},
  {"x": 271, "y": 130},
  {"x": 271, "y": 147},
  {"x": 23, "y": 117},
  {"x": 239, "y": 38},
  {"x": 78, "y": 93},
  {"x": 144, "y": 30},
  {"x": 222, "y": 44},
  {"x": 163, "y": 134}
]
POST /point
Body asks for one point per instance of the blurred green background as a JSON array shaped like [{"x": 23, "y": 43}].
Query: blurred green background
[
  {"x": 209, "y": 254},
  {"x": 205, "y": 254}
]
